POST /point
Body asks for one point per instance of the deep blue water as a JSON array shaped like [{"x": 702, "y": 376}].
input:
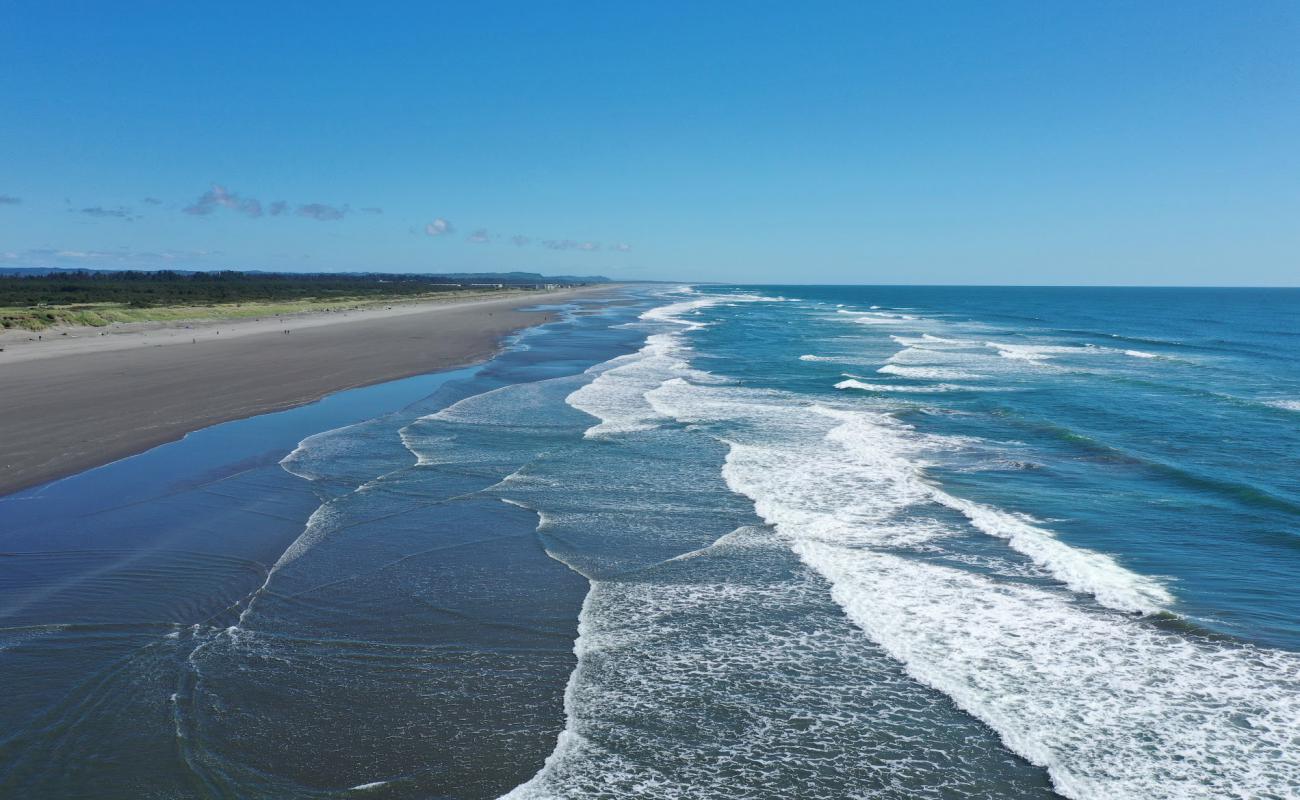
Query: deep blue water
[{"x": 702, "y": 542}]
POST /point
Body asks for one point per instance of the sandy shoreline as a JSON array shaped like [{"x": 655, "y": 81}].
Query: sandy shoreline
[{"x": 69, "y": 403}]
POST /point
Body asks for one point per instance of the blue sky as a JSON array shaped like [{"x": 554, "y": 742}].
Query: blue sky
[{"x": 920, "y": 142}]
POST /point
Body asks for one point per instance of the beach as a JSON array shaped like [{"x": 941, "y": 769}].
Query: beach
[
  {"x": 704, "y": 542},
  {"x": 70, "y": 403}
]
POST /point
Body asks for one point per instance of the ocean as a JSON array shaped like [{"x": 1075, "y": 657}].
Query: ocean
[{"x": 701, "y": 541}]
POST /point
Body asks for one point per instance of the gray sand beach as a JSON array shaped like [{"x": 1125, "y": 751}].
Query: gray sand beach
[{"x": 71, "y": 403}]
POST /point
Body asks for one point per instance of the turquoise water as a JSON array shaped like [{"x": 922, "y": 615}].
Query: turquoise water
[{"x": 702, "y": 542}]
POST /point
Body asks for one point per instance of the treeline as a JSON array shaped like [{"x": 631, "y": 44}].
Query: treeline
[{"x": 137, "y": 289}]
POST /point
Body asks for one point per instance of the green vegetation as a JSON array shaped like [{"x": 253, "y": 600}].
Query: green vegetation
[{"x": 37, "y": 302}]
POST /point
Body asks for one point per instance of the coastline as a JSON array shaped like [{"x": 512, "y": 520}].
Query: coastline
[
  {"x": 375, "y": 569},
  {"x": 72, "y": 404}
]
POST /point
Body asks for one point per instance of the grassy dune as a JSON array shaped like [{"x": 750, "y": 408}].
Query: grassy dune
[
  {"x": 100, "y": 298},
  {"x": 98, "y": 315}
]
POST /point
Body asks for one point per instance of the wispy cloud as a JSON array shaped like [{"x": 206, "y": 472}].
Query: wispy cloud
[
  {"x": 559, "y": 244},
  {"x": 121, "y": 212},
  {"x": 441, "y": 227},
  {"x": 218, "y": 197},
  {"x": 9, "y": 200},
  {"x": 123, "y": 256},
  {"x": 82, "y": 254},
  {"x": 372, "y": 210},
  {"x": 574, "y": 244},
  {"x": 176, "y": 255},
  {"x": 152, "y": 201},
  {"x": 322, "y": 212}
]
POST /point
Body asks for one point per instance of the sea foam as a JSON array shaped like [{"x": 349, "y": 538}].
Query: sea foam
[
  {"x": 1065, "y": 670},
  {"x": 1081, "y": 702},
  {"x": 927, "y": 373},
  {"x": 616, "y": 393},
  {"x": 854, "y": 383}
]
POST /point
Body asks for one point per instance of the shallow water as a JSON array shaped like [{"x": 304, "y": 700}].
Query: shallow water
[
  {"x": 290, "y": 606},
  {"x": 715, "y": 542}
]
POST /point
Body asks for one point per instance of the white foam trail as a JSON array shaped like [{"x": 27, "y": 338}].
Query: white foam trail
[
  {"x": 927, "y": 342},
  {"x": 1287, "y": 405},
  {"x": 853, "y": 383},
  {"x": 927, "y": 373},
  {"x": 616, "y": 395},
  {"x": 873, "y": 452},
  {"x": 817, "y": 358},
  {"x": 297, "y": 462},
  {"x": 1111, "y": 709},
  {"x": 569, "y": 740},
  {"x": 427, "y": 447},
  {"x": 940, "y": 340},
  {"x": 890, "y": 319},
  {"x": 674, "y": 311},
  {"x": 1082, "y": 570},
  {"x": 850, "y": 473},
  {"x": 418, "y": 446},
  {"x": 1039, "y": 352},
  {"x": 874, "y": 314},
  {"x": 318, "y": 526},
  {"x": 1140, "y": 354},
  {"x": 320, "y": 448}
]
